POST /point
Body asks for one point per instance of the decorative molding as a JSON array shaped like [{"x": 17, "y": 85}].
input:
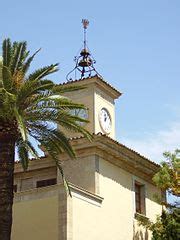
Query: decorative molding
[
  {"x": 99, "y": 81},
  {"x": 37, "y": 193},
  {"x": 85, "y": 195},
  {"x": 110, "y": 150},
  {"x": 97, "y": 190},
  {"x": 44, "y": 192}
]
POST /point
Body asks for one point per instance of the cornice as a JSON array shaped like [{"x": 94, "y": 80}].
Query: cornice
[
  {"x": 51, "y": 191},
  {"x": 108, "y": 149},
  {"x": 118, "y": 154},
  {"x": 113, "y": 92}
]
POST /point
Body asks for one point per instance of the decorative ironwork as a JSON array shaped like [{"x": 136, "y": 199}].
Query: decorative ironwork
[{"x": 84, "y": 62}]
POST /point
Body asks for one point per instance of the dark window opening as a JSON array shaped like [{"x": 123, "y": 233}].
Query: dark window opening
[
  {"x": 140, "y": 198},
  {"x": 46, "y": 182}
]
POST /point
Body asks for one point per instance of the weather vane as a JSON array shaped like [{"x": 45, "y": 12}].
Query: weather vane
[{"x": 84, "y": 62}]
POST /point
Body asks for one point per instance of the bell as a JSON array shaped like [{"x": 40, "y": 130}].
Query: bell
[
  {"x": 86, "y": 62},
  {"x": 84, "y": 52}
]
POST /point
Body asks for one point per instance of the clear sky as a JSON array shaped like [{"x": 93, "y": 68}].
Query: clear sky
[{"x": 137, "y": 48}]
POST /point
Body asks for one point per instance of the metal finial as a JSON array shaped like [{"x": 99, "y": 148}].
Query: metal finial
[
  {"x": 84, "y": 62},
  {"x": 85, "y": 23}
]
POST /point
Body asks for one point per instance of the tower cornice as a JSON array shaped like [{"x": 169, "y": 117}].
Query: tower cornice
[{"x": 113, "y": 92}]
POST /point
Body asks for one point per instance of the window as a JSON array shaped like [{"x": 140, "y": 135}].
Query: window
[
  {"x": 140, "y": 198},
  {"x": 46, "y": 182}
]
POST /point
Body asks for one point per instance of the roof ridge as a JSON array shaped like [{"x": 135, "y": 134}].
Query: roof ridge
[
  {"x": 99, "y": 134},
  {"x": 95, "y": 76},
  {"x": 117, "y": 142}
]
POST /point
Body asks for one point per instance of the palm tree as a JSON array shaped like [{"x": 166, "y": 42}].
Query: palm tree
[{"x": 30, "y": 106}]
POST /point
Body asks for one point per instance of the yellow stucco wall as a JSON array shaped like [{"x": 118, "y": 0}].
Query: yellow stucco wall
[
  {"x": 36, "y": 219},
  {"x": 80, "y": 172},
  {"x": 114, "y": 218},
  {"x": 86, "y": 220},
  {"x": 86, "y": 97},
  {"x": 115, "y": 187},
  {"x": 152, "y": 208}
]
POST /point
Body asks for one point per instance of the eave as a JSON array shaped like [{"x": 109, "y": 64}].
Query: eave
[{"x": 100, "y": 82}]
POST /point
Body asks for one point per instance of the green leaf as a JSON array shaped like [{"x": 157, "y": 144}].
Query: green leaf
[
  {"x": 21, "y": 124},
  {"x": 18, "y": 56},
  {"x": 32, "y": 88},
  {"x": 7, "y": 78},
  {"x": 43, "y": 72},
  {"x": 28, "y": 61},
  {"x": 6, "y": 49},
  {"x": 23, "y": 154}
]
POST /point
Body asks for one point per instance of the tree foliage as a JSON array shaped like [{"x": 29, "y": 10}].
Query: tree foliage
[
  {"x": 167, "y": 225},
  {"x": 31, "y": 105},
  {"x": 168, "y": 177}
]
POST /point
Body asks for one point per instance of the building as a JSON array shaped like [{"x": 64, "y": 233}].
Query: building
[{"x": 110, "y": 183}]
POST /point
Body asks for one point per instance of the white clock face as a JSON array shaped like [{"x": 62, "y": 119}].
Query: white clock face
[{"x": 105, "y": 120}]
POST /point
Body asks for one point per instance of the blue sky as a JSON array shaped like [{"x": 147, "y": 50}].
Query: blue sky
[{"x": 137, "y": 48}]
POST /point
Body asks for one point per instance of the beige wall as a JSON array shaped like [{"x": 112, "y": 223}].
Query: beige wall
[
  {"x": 81, "y": 172},
  {"x": 115, "y": 187},
  {"x": 113, "y": 218},
  {"x": 27, "y": 180},
  {"x": 36, "y": 219},
  {"x": 86, "y": 97},
  {"x": 86, "y": 219},
  {"x": 85, "y": 216}
]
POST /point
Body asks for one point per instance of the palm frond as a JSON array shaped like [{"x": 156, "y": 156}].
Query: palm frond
[
  {"x": 7, "y": 78},
  {"x": 28, "y": 61},
  {"x": 30, "y": 88},
  {"x": 18, "y": 57},
  {"x": 32, "y": 150},
  {"x": 60, "y": 117},
  {"x": 53, "y": 155},
  {"x": 36, "y": 104},
  {"x": 65, "y": 182},
  {"x": 43, "y": 72},
  {"x": 7, "y": 102},
  {"x": 56, "y": 138},
  {"x": 1, "y": 73},
  {"x": 23, "y": 153},
  {"x": 6, "y": 49},
  {"x": 24, "y": 149},
  {"x": 53, "y": 102},
  {"x": 21, "y": 124}
]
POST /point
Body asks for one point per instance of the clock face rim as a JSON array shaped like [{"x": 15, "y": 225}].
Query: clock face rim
[{"x": 102, "y": 123}]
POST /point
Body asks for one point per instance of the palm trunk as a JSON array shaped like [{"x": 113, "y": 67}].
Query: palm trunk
[{"x": 7, "y": 152}]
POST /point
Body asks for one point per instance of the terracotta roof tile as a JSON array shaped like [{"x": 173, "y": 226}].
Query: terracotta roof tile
[
  {"x": 120, "y": 144},
  {"x": 95, "y": 76},
  {"x": 109, "y": 138}
]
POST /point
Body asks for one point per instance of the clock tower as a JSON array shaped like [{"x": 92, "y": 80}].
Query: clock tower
[
  {"x": 97, "y": 95},
  {"x": 99, "y": 98}
]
